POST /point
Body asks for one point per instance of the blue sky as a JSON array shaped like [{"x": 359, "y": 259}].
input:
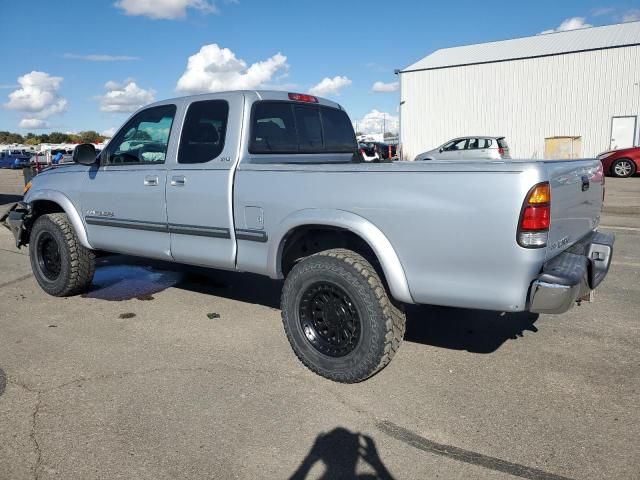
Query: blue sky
[{"x": 99, "y": 60}]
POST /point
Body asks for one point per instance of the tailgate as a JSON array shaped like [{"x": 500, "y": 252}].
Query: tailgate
[{"x": 576, "y": 201}]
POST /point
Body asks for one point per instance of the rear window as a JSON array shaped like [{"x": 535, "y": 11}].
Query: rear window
[
  {"x": 502, "y": 143},
  {"x": 286, "y": 127}
]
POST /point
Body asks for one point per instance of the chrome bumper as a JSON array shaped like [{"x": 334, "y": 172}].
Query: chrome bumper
[{"x": 572, "y": 275}]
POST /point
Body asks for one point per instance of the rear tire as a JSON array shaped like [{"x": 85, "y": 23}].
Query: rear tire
[
  {"x": 339, "y": 318},
  {"x": 61, "y": 265},
  {"x": 623, "y": 168}
]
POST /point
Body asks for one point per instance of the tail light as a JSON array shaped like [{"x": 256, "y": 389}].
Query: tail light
[
  {"x": 501, "y": 151},
  {"x": 535, "y": 217}
]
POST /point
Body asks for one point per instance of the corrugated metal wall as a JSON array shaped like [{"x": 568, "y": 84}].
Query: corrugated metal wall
[{"x": 525, "y": 100}]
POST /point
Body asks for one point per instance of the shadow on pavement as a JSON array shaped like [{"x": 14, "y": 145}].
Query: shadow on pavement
[
  {"x": 7, "y": 199},
  {"x": 120, "y": 277},
  {"x": 339, "y": 452},
  {"x": 477, "y": 331}
]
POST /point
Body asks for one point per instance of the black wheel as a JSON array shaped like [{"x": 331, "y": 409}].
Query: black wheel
[
  {"x": 339, "y": 318},
  {"x": 623, "y": 168},
  {"x": 61, "y": 265}
]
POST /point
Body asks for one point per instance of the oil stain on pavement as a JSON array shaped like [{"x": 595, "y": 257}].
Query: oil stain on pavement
[{"x": 124, "y": 282}]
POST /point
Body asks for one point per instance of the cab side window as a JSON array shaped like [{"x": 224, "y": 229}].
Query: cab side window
[
  {"x": 144, "y": 139},
  {"x": 204, "y": 131}
]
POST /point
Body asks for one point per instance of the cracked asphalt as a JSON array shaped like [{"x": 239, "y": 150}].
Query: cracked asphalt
[{"x": 139, "y": 379}]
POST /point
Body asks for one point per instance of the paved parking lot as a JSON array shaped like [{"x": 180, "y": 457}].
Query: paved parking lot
[{"x": 168, "y": 373}]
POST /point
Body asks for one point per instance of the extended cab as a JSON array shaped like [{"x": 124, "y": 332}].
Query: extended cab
[{"x": 272, "y": 183}]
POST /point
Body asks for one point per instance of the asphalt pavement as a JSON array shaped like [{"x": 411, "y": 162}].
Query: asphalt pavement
[{"x": 163, "y": 372}]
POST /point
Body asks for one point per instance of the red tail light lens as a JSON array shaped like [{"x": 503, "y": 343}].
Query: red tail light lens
[
  {"x": 501, "y": 151},
  {"x": 301, "y": 97},
  {"x": 536, "y": 218}
]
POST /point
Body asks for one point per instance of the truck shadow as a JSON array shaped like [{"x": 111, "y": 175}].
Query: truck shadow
[
  {"x": 476, "y": 331},
  {"x": 120, "y": 277},
  {"x": 8, "y": 199}
]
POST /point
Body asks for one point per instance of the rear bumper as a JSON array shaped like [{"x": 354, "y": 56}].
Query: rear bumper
[{"x": 572, "y": 275}]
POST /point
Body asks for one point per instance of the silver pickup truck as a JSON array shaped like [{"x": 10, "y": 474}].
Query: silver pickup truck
[{"x": 271, "y": 183}]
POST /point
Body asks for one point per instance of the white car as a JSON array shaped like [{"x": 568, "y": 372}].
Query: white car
[{"x": 469, "y": 148}]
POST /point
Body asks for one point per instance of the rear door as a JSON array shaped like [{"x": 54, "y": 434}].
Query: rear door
[
  {"x": 576, "y": 201},
  {"x": 200, "y": 183},
  {"x": 123, "y": 199}
]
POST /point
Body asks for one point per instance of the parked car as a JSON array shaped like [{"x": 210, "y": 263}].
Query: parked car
[
  {"x": 269, "y": 182},
  {"x": 384, "y": 149},
  {"x": 621, "y": 163},
  {"x": 368, "y": 152},
  {"x": 469, "y": 148},
  {"x": 14, "y": 159}
]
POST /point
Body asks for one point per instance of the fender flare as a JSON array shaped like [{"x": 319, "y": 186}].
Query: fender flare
[
  {"x": 66, "y": 205},
  {"x": 379, "y": 243}
]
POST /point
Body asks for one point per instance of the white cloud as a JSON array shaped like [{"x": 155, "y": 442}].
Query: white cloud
[
  {"x": 375, "y": 121},
  {"x": 631, "y": 15},
  {"x": 573, "y": 23},
  {"x": 94, "y": 57},
  {"x": 34, "y": 123},
  {"x": 164, "y": 9},
  {"x": 215, "y": 69},
  {"x": 330, "y": 86},
  {"x": 381, "y": 87},
  {"x": 38, "y": 96},
  {"x": 125, "y": 97},
  {"x": 109, "y": 132}
]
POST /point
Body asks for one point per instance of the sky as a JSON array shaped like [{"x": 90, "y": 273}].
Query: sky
[{"x": 77, "y": 65}]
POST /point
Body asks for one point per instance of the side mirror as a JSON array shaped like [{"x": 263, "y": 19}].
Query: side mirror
[
  {"x": 84, "y": 154},
  {"x": 441, "y": 149}
]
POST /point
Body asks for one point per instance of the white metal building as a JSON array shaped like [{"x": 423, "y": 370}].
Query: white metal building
[{"x": 582, "y": 85}]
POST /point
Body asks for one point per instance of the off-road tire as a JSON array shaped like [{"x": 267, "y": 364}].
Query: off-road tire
[
  {"x": 77, "y": 263},
  {"x": 382, "y": 322},
  {"x": 632, "y": 171}
]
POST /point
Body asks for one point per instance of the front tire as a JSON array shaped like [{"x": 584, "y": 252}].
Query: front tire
[
  {"x": 339, "y": 318},
  {"x": 623, "y": 168},
  {"x": 61, "y": 265}
]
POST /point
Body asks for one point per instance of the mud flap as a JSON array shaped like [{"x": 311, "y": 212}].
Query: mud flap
[{"x": 15, "y": 219}]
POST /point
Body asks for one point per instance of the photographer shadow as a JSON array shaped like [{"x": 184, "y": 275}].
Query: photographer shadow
[{"x": 339, "y": 451}]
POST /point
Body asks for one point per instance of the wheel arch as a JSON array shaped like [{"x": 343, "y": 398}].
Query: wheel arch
[
  {"x": 340, "y": 220},
  {"x": 50, "y": 201}
]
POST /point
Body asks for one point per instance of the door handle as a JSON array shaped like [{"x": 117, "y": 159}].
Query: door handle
[
  {"x": 178, "y": 181},
  {"x": 151, "y": 181}
]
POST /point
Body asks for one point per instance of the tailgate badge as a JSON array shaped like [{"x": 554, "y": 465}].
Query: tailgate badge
[{"x": 585, "y": 183}]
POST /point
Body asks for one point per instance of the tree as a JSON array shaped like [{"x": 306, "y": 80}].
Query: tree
[
  {"x": 9, "y": 137},
  {"x": 58, "y": 137},
  {"x": 90, "y": 136}
]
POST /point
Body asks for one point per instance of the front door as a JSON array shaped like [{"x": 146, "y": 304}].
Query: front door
[
  {"x": 123, "y": 199},
  {"x": 623, "y": 132},
  {"x": 455, "y": 150},
  {"x": 200, "y": 183}
]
